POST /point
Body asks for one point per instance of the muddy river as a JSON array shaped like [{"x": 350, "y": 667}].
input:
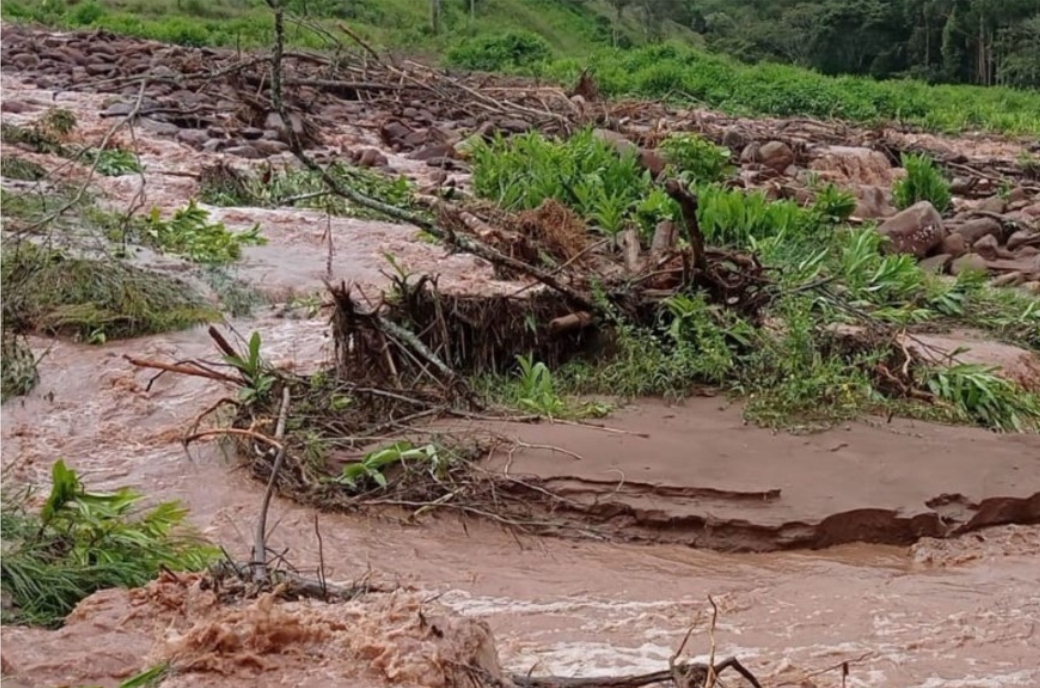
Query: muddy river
[{"x": 953, "y": 612}]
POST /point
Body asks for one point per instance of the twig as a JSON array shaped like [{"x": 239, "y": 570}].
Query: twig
[
  {"x": 259, "y": 563},
  {"x": 241, "y": 432},
  {"x": 709, "y": 682},
  {"x": 181, "y": 369}
]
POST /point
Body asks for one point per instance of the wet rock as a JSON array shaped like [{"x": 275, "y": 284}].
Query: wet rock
[
  {"x": 245, "y": 151},
  {"x": 438, "y": 177},
  {"x": 1022, "y": 238},
  {"x": 961, "y": 186},
  {"x": 1032, "y": 287},
  {"x": 1010, "y": 279},
  {"x": 24, "y": 61},
  {"x": 13, "y": 106},
  {"x": 792, "y": 171},
  {"x": 1017, "y": 195},
  {"x": 370, "y": 157},
  {"x": 734, "y": 139},
  {"x": 749, "y": 154},
  {"x": 968, "y": 263},
  {"x": 916, "y": 230},
  {"x": 439, "y": 150},
  {"x": 993, "y": 204},
  {"x": 442, "y": 162},
  {"x": 416, "y": 138},
  {"x": 776, "y": 155},
  {"x": 195, "y": 138},
  {"x": 514, "y": 126},
  {"x": 99, "y": 68},
  {"x": 954, "y": 244},
  {"x": 936, "y": 264},
  {"x": 274, "y": 121},
  {"x": 409, "y": 113},
  {"x": 1032, "y": 210},
  {"x": 988, "y": 247},
  {"x": 251, "y": 133},
  {"x": 975, "y": 229},
  {"x": 1026, "y": 252},
  {"x": 158, "y": 127},
  {"x": 214, "y": 145},
  {"x": 620, "y": 143},
  {"x": 394, "y": 132},
  {"x": 853, "y": 166},
  {"x": 269, "y": 147},
  {"x": 872, "y": 202}
]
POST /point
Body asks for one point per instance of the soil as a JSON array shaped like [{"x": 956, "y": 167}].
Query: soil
[{"x": 908, "y": 550}]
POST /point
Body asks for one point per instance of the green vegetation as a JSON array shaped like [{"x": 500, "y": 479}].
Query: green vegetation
[
  {"x": 819, "y": 352},
  {"x": 51, "y": 292},
  {"x": 370, "y": 470},
  {"x": 899, "y": 40},
  {"x": 293, "y": 186},
  {"x": 17, "y": 167},
  {"x": 923, "y": 182},
  {"x": 80, "y": 542},
  {"x": 190, "y": 235}
]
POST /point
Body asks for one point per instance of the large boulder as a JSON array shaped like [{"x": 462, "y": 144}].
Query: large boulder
[
  {"x": 917, "y": 230},
  {"x": 975, "y": 229},
  {"x": 849, "y": 165},
  {"x": 776, "y": 155}
]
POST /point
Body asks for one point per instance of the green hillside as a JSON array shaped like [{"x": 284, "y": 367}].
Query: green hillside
[{"x": 662, "y": 58}]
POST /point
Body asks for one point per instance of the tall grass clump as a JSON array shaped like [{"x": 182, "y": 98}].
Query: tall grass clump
[
  {"x": 923, "y": 182},
  {"x": 80, "y": 542},
  {"x": 506, "y": 51}
]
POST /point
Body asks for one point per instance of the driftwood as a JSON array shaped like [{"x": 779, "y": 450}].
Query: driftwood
[{"x": 686, "y": 675}]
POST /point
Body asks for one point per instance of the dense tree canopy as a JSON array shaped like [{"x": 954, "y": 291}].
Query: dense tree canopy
[{"x": 961, "y": 41}]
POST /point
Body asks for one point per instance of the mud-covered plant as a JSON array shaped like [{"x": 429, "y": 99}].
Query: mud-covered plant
[
  {"x": 190, "y": 234},
  {"x": 923, "y": 182},
  {"x": 978, "y": 394},
  {"x": 18, "y": 366},
  {"x": 697, "y": 159},
  {"x": 60, "y": 122},
  {"x": 80, "y": 542},
  {"x": 17, "y": 167}
]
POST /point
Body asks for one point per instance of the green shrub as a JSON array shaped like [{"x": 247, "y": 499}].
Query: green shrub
[
  {"x": 17, "y": 167},
  {"x": 697, "y": 159},
  {"x": 499, "y": 52},
  {"x": 191, "y": 235},
  {"x": 18, "y": 373},
  {"x": 81, "y": 542},
  {"x": 923, "y": 182}
]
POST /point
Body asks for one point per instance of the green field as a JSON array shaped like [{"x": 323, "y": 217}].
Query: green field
[{"x": 556, "y": 39}]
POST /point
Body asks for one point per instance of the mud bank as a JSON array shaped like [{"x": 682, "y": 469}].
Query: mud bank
[{"x": 697, "y": 474}]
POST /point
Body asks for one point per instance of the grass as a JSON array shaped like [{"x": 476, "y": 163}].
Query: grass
[
  {"x": 18, "y": 373},
  {"x": 92, "y": 299},
  {"x": 80, "y": 542},
  {"x": 189, "y": 234},
  {"x": 924, "y": 181}
]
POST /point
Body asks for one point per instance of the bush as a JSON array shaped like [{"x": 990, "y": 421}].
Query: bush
[
  {"x": 502, "y": 52},
  {"x": 923, "y": 182},
  {"x": 697, "y": 159},
  {"x": 18, "y": 373},
  {"x": 81, "y": 542},
  {"x": 191, "y": 235}
]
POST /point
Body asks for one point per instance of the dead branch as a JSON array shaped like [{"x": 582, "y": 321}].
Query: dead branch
[
  {"x": 260, "y": 573},
  {"x": 688, "y": 205},
  {"x": 192, "y": 369}
]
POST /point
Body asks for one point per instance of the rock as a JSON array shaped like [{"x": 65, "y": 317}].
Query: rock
[
  {"x": 954, "y": 244},
  {"x": 370, "y": 157},
  {"x": 792, "y": 171},
  {"x": 216, "y": 132},
  {"x": 968, "y": 263},
  {"x": 975, "y": 229},
  {"x": 196, "y": 138},
  {"x": 269, "y": 147},
  {"x": 514, "y": 126},
  {"x": 734, "y": 139},
  {"x": 409, "y": 113},
  {"x": 99, "y": 68},
  {"x": 159, "y": 128},
  {"x": 749, "y": 154},
  {"x": 15, "y": 107},
  {"x": 274, "y": 121},
  {"x": 987, "y": 247},
  {"x": 936, "y": 264},
  {"x": 1026, "y": 252},
  {"x": 1018, "y": 194},
  {"x": 1032, "y": 287},
  {"x": 24, "y": 61},
  {"x": 438, "y": 177},
  {"x": 1032, "y": 210},
  {"x": 872, "y": 203},
  {"x": 252, "y": 133},
  {"x": 651, "y": 160},
  {"x": 853, "y": 166},
  {"x": 776, "y": 155},
  {"x": 961, "y": 186},
  {"x": 916, "y": 230},
  {"x": 1010, "y": 279},
  {"x": 214, "y": 145},
  {"x": 993, "y": 204},
  {"x": 442, "y": 162},
  {"x": 437, "y": 150},
  {"x": 394, "y": 132},
  {"x": 245, "y": 151},
  {"x": 1022, "y": 238},
  {"x": 620, "y": 143}
]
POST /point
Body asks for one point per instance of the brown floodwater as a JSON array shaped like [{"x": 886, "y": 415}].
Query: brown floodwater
[{"x": 956, "y": 612}]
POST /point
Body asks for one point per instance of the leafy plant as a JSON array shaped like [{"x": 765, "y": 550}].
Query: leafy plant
[
  {"x": 538, "y": 390},
  {"x": 499, "y": 52},
  {"x": 190, "y": 234},
  {"x": 114, "y": 162},
  {"x": 259, "y": 380},
  {"x": 980, "y": 395},
  {"x": 81, "y": 542},
  {"x": 833, "y": 205},
  {"x": 697, "y": 159},
  {"x": 18, "y": 366},
  {"x": 923, "y": 182},
  {"x": 17, "y": 167},
  {"x": 373, "y": 465}
]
